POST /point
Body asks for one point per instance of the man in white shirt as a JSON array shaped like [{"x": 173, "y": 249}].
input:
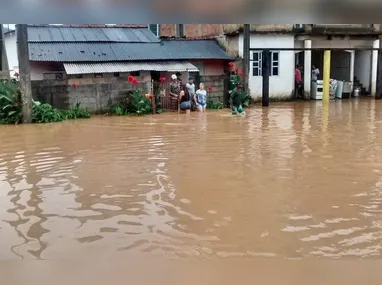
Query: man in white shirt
[{"x": 191, "y": 91}]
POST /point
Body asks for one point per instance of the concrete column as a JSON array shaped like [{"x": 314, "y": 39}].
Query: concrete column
[
  {"x": 374, "y": 68},
  {"x": 307, "y": 69},
  {"x": 352, "y": 57}
]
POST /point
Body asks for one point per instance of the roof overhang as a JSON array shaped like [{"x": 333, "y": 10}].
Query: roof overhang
[{"x": 112, "y": 67}]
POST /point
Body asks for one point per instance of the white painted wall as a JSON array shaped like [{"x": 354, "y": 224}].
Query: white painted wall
[
  {"x": 11, "y": 49},
  {"x": 281, "y": 86},
  {"x": 362, "y": 67}
]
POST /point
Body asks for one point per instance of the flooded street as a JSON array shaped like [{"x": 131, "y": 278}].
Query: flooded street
[{"x": 297, "y": 180}]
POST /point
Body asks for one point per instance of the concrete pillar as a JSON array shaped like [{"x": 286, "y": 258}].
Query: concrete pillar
[
  {"x": 374, "y": 68},
  {"x": 352, "y": 58},
  {"x": 307, "y": 69},
  {"x": 326, "y": 77}
]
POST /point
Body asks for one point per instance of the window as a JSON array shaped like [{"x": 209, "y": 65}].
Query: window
[
  {"x": 258, "y": 61},
  {"x": 154, "y": 28},
  {"x": 135, "y": 73},
  {"x": 98, "y": 75},
  {"x": 116, "y": 74},
  {"x": 274, "y": 63},
  {"x": 179, "y": 30}
]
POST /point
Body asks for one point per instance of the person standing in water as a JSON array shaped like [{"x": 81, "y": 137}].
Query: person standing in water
[
  {"x": 191, "y": 91},
  {"x": 184, "y": 101},
  {"x": 201, "y": 98},
  {"x": 236, "y": 100},
  {"x": 298, "y": 82}
]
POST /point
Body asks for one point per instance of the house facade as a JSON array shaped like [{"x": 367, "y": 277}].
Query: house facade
[
  {"x": 359, "y": 67},
  {"x": 99, "y": 58}
]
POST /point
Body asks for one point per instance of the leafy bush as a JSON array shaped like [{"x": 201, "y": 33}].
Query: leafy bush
[
  {"x": 11, "y": 108},
  {"x": 45, "y": 113},
  {"x": 134, "y": 103},
  {"x": 234, "y": 80},
  {"x": 212, "y": 104},
  {"x": 10, "y": 103},
  {"x": 245, "y": 99},
  {"x": 75, "y": 113}
]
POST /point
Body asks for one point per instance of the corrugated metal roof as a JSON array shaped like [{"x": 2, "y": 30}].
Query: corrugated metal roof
[
  {"x": 98, "y": 52},
  {"x": 57, "y": 34},
  {"x": 86, "y": 68}
]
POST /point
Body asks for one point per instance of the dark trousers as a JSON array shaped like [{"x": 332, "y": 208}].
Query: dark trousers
[{"x": 298, "y": 90}]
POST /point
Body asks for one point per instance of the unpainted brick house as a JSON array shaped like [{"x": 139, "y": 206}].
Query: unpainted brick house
[{"x": 99, "y": 59}]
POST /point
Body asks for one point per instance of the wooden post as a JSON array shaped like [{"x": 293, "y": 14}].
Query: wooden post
[
  {"x": 246, "y": 55},
  {"x": 265, "y": 73},
  {"x": 326, "y": 77},
  {"x": 24, "y": 70}
]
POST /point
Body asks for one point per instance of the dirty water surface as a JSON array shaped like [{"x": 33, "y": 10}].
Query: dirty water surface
[{"x": 296, "y": 180}]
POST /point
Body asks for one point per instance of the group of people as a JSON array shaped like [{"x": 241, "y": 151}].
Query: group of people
[
  {"x": 299, "y": 82},
  {"x": 187, "y": 97}
]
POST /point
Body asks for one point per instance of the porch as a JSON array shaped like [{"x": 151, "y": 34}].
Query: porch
[{"x": 356, "y": 66}]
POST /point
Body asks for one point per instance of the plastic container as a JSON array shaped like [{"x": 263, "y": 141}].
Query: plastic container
[
  {"x": 340, "y": 88},
  {"x": 356, "y": 92}
]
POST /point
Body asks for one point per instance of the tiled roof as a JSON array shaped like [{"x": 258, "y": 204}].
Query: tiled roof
[
  {"x": 56, "y": 34},
  {"x": 111, "y": 52}
]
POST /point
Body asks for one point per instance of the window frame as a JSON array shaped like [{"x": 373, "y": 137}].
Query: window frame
[
  {"x": 157, "y": 30},
  {"x": 257, "y": 64},
  {"x": 275, "y": 63}
]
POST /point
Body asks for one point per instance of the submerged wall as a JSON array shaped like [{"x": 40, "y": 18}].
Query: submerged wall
[{"x": 95, "y": 97}]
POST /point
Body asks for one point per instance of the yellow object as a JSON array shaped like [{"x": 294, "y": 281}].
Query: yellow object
[{"x": 326, "y": 77}]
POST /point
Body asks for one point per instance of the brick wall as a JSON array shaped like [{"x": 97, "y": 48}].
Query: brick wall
[
  {"x": 219, "y": 85},
  {"x": 94, "y": 97},
  {"x": 192, "y": 30},
  {"x": 232, "y": 28}
]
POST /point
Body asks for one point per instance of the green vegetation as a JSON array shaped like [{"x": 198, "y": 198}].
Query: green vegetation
[
  {"x": 10, "y": 103},
  {"x": 245, "y": 98},
  {"x": 134, "y": 103},
  {"x": 11, "y": 108},
  {"x": 213, "y": 104}
]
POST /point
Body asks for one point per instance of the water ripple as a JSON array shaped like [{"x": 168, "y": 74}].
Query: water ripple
[{"x": 292, "y": 181}]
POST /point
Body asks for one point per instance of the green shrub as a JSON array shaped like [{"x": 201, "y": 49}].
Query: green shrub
[
  {"x": 11, "y": 108},
  {"x": 212, "y": 104},
  {"x": 245, "y": 98},
  {"x": 10, "y": 103},
  {"x": 75, "y": 113},
  {"x": 45, "y": 113},
  {"x": 134, "y": 103}
]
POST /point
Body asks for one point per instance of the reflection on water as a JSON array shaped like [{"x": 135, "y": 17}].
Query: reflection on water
[{"x": 292, "y": 181}]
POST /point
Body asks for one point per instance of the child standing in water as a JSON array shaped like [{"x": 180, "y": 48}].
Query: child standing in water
[
  {"x": 201, "y": 98},
  {"x": 236, "y": 100}
]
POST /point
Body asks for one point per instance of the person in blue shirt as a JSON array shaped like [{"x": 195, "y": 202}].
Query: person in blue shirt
[{"x": 201, "y": 98}]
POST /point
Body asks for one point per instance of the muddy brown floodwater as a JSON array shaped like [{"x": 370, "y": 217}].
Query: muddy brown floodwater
[{"x": 297, "y": 180}]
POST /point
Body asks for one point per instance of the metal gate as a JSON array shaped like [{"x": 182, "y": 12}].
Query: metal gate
[{"x": 163, "y": 98}]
